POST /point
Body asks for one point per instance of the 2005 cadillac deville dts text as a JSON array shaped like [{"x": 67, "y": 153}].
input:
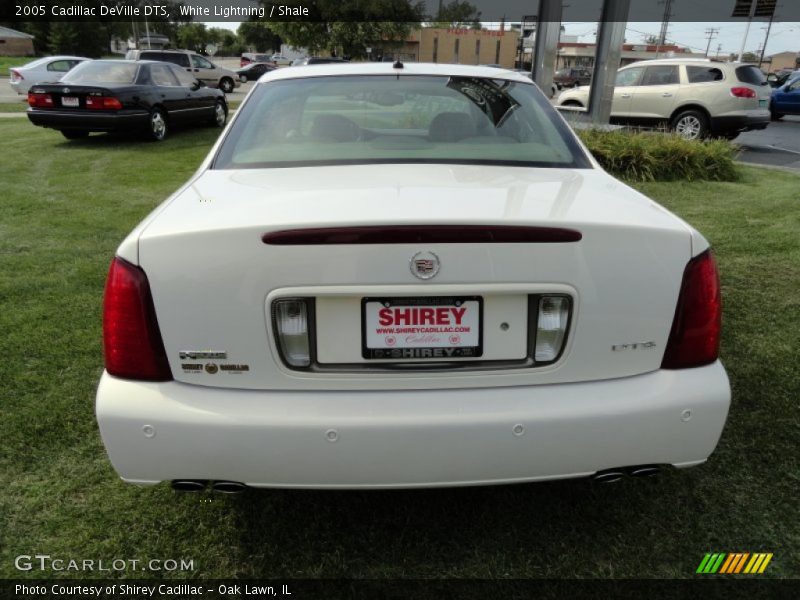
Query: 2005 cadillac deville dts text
[{"x": 407, "y": 276}]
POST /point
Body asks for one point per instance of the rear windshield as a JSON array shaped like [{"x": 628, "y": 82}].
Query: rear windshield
[
  {"x": 750, "y": 74},
  {"x": 391, "y": 119},
  {"x": 102, "y": 72}
]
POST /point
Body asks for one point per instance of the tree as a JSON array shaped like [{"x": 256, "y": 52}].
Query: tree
[
  {"x": 457, "y": 14},
  {"x": 193, "y": 36},
  {"x": 349, "y": 27},
  {"x": 258, "y": 36}
]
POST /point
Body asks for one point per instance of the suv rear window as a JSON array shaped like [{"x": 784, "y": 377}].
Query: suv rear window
[
  {"x": 176, "y": 58},
  {"x": 703, "y": 74},
  {"x": 750, "y": 74}
]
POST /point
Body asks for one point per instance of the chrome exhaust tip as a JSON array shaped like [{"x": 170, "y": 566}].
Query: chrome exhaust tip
[
  {"x": 608, "y": 476},
  {"x": 644, "y": 471},
  {"x": 188, "y": 485},
  {"x": 228, "y": 487}
]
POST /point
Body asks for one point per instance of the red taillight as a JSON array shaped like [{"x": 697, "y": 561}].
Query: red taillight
[
  {"x": 696, "y": 328},
  {"x": 16, "y": 75},
  {"x": 103, "y": 103},
  {"x": 40, "y": 100},
  {"x": 742, "y": 92},
  {"x": 244, "y": 62},
  {"x": 131, "y": 338}
]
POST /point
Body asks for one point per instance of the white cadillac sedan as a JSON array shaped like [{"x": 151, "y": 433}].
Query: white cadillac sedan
[{"x": 407, "y": 276}]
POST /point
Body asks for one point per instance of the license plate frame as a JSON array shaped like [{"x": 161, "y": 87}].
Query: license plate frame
[
  {"x": 426, "y": 351},
  {"x": 70, "y": 101}
]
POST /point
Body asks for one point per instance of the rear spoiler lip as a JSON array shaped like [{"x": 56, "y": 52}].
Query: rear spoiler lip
[{"x": 422, "y": 234}]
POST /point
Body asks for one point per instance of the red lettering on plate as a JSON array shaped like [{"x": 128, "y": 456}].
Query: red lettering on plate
[
  {"x": 403, "y": 317},
  {"x": 421, "y": 316}
]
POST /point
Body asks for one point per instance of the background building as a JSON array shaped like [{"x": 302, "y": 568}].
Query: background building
[
  {"x": 784, "y": 60},
  {"x": 572, "y": 54},
  {"x": 15, "y": 43}
]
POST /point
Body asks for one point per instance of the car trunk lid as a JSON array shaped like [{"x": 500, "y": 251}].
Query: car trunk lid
[{"x": 214, "y": 279}]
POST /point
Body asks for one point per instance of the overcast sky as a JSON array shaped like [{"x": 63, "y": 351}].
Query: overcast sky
[{"x": 783, "y": 36}]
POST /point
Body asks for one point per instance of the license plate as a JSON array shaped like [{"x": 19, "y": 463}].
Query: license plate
[
  {"x": 429, "y": 328},
  {"x": 69, "y": 101},
  {"x": 762, "y": 103}
]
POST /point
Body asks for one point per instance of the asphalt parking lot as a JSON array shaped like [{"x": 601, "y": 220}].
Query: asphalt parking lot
[{"x": 778, "y": 145}]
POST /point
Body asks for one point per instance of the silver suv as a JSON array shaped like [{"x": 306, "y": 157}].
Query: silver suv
[
  {"x": 199, "y": 66},
  {"x": 696, "y": 98}
]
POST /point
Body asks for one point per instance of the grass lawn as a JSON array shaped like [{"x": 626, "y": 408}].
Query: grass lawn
[
  {"x": 66, "y": 207},
  {"x": 6, "y": 107},
  {"x": 9, "y": 62}
]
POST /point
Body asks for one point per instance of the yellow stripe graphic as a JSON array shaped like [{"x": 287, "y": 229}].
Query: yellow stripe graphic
[
  {"x": 757, "y": 558},
  {"x": 765, "y": 563},
  {"x": 740, "y": 564}
]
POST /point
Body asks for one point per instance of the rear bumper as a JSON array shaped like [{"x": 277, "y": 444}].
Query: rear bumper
[
  {"x": 745, "y": 122},
  {"x": 163, "y": 431},
  {"x": 128, "y": 120}
]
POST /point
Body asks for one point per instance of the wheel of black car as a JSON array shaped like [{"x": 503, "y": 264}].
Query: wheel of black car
[
  {"x": 220, "y": 114},
  {"x": 226, "y": 85},
  {"x": 74, "y": 135},
  {"x": 158, "y": 124},
  {"x": 690, "y": 125}
]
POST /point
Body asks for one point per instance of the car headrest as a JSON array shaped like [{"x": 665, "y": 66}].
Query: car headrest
[
  {"x": 335, "y": 128},
  {"x": 451, "y": 127}
]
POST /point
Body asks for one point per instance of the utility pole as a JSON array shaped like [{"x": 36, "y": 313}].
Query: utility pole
[
  {"x": 766, "y": 39},
  {"x": 751, "y": 13},
  {"x": 662, "y": 37},
  {"x": 711, "y": 33}
]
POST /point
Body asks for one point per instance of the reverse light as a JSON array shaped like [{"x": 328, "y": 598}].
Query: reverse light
[
  {"x": 103, "y": 103},
  {"x": 696, "y": 328},
  {"x": 131, "y": 338},
  {"x": 551, "y": 327},
  {"x": 742, "y": 92},
  {"x": 291, "y": 327},
  {"x": 40, "y": 100}
]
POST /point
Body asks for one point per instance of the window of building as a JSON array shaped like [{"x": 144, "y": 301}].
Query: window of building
[
  {"x": 477, "y": 51},
  {"x": 497, "y": 53},
  {"x": 457, "y": 44},
  {"x": 435, "y": 49}
]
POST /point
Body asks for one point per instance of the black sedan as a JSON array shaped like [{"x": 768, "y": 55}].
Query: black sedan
[
  {"x": 253, "y": 71},
  {"x": 120, "y": 95}
]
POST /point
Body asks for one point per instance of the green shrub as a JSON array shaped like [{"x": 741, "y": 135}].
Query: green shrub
[{"x": 654, "y": 156}]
